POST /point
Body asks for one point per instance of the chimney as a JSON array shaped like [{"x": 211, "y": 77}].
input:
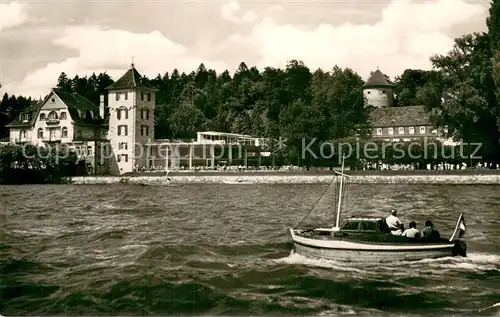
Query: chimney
[{"x": 101, "y": 107}]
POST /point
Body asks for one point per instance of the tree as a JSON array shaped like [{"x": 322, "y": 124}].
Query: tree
[{"x": 469, "y": 103}]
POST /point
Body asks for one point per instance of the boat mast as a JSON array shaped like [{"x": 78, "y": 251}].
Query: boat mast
[{"x": 340, "y": 194}]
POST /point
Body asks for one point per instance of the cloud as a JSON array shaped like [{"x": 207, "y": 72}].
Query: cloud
[
  {"x": 99, "y": 50},
  {"x": 12, "y": 14},
  {"x": 406, "y": 35},
  {"x": 228, "y": 12}
]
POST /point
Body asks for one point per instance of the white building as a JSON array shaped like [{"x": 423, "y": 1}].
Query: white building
[
  {"x": 131, "y": 104},
  {"x": 118, "y": 137},
  {"x": 63, "y": 118}
]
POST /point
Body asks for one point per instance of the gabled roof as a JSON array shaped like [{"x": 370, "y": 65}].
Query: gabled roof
[
  {"x": 377, "y": 79},
  {"x": 31, "y": 111},
  {"x": 400, "y": 117},
  {"x": 75, "y": 102},
  {"x": 131, "y": 79}
]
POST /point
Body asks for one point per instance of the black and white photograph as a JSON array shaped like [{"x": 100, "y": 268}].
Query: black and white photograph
[{"x": 250, "y": 158}]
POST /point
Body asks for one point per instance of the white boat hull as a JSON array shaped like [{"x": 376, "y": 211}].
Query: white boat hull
[{"x": 350, "y": 251}]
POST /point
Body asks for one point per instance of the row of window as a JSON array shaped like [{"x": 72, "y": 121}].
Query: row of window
[
  {"x": 401, "y": 130},
  {"x": 64, "y": 133},
  {"x": 123, "y": 130},
  {"x": 53, "y": 116},
  {"x": 122, "y": 113},
  {"x": 84, "y": 150},
  {"x": 144, "y": 96}
]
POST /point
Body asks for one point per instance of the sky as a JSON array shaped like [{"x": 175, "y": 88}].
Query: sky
[{"x": 41, "y": 39}]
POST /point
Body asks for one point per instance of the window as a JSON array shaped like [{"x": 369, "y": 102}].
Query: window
[
  {"x": 52, "y": 115},
  {"x": 379, "y": 131},
  {"x": 53, "y": 100},
  {"x": 63, "y": 115},
  {"x": 422, "y": 130},
  {"x": 117, "y": 96},
  {"x": 142, "y": 95},
  {"x": 352, "y": 225},
  {"x": 401, "y": 130},
  {"x": 412, "y": 130},
  {"x": 64, "y": 132},
  {"x": 391, "y": 131},
  {"x": 122, "y": 113},
  {"x": 126, "y": 96},
  {"x": 145, "y": 114},
  {"x": 144, "y": 130},
  {"x": 445, "y": 130},
  {"x": 122, "y": 146},
  {"x": 122, "y": 130},
  {"x": 52, "y": 134},
  {"x": 368, "y": 226},
  {"x": 89, "y": 150},
  {"x": 40, "y": 133},
  {"x": 149, "y": 96},
  {"x": 42, "y": 116},
  {"x": 122, "y": 158}
]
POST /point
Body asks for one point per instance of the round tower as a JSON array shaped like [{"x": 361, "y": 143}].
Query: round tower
[{"x": 378, "y": 91}]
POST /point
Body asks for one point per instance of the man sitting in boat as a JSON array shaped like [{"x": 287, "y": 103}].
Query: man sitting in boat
[
  {"x": 412, "y": 232},
  {"x": 429, "y": 232},
  {"x": 394, "y": 224}
]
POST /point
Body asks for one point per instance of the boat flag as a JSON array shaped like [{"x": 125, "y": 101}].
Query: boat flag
[{"x": 461, "y": 226}]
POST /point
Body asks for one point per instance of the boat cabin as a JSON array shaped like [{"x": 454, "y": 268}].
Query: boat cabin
[{"x": 365, "y": 225}]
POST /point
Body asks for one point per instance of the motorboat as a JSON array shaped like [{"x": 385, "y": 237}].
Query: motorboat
[{"x": 367, "y": 239}]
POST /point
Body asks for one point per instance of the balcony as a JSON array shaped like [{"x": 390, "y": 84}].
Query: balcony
[
  {"x": 52, "y": 121},
  {"x": 89, "y": 138},
  {"x": 52, "y": 140}
]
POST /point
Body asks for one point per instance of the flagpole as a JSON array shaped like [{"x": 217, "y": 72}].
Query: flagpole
[{"x": 459, "y": 221}]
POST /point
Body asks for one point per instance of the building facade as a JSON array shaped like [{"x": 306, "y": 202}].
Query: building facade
[
  {"x": 131, "y": 106},
  {"x": 64, "y": 118},
  {"x": 393, "y": 123},
  {"x": 117, "y": 137}
]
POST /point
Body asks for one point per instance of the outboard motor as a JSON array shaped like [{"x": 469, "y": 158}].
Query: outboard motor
[{"x": 459, "y": 249}]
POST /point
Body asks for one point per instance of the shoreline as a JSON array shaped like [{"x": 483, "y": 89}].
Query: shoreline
[{"x": 242, "y": 178}]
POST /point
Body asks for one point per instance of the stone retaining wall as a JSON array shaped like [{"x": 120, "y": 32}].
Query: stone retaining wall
[{"x": 293, "y": 179}]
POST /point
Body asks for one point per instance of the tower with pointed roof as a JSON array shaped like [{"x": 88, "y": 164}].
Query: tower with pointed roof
[
  {"x": 131, "y": 105},
  {"x": 378, "y": 91}
]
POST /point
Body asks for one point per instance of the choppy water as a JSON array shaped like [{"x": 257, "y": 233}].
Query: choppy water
[{"x": 224, "y": 250}]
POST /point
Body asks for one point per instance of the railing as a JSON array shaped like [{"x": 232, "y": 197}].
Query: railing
[
  {"x": 52, "y": 139},
  {"x": 52, "y": 121},
  {"x": 89, "y": 138}
]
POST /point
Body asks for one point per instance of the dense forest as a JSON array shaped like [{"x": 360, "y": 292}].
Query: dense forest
[{"x": 295, "y": 103}]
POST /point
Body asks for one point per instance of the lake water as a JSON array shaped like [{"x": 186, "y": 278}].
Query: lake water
[{"x": 224, "y": 250}]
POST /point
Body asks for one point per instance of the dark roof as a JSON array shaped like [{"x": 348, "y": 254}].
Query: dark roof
[
  {"x": 400, "y": 116},
  {"x": 75, "y": 102},
  {"x": 131, "y": 79},
  {"x": 377, "y": 79},
  {"x": 31, "y": 112}
]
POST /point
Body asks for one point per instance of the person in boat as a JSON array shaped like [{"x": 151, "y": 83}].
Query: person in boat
[
  {"x": 429, "y": 232},
  {"x": 412, "y": 232},
  {"x": 394, "y": 223}
]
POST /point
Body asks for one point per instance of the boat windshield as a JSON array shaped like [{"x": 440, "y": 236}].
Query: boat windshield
[{"x": 351, "y": 225}]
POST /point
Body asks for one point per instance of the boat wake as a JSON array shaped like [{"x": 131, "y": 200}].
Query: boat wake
[{"x": 473, "y": 262}]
